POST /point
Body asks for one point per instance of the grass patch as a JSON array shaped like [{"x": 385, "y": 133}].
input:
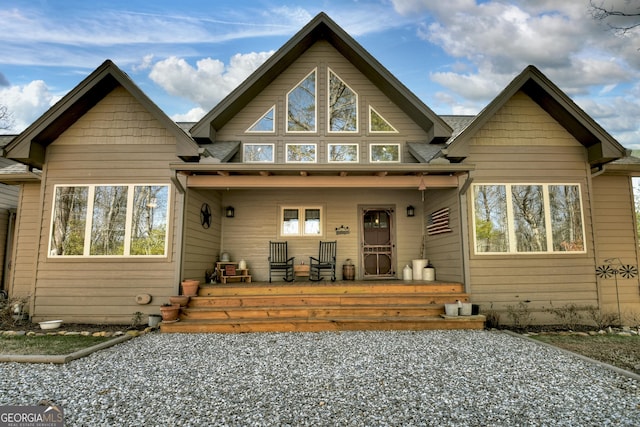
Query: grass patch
[
  {"x": 47, "y": 344},
  {"x": 620, "y": 351}
]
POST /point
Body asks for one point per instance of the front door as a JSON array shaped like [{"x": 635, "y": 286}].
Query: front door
[{"x": 377, "y": 243}]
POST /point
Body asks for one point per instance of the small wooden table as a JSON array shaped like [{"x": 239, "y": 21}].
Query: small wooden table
[
  {"x": 301, "y": 270},
  {"x": 238, "y": 274}
]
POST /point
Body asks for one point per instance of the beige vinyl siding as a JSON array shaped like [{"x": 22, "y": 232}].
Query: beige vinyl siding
[
  {"x": 26, "y": 241},
  {"x": 615, "y": 237},
  {"x": 8, "y": 203},
  {"x": 201, "y": 246},
  {"x": 5, "y": 215},
  {"x": 444, "y": 250},
  {"x": 523, "y": 144},
  {"x": 116, "y": 142},
  {"x": 322, "y": 55},
  {"x": 247, "y": 235},
  {"x": 8, "y": 196}
]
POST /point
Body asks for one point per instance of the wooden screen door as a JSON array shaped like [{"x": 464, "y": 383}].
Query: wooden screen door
[{"x": 377, "y": 242}]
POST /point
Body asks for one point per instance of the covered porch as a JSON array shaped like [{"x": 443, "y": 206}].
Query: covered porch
[
  {"x": 349, "y": 202},
  {"x": 345, "y": 204}
]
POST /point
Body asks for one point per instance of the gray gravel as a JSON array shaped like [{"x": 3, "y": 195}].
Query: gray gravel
[{"x": 457, "y": 378}]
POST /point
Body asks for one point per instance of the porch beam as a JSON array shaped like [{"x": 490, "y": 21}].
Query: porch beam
[{"x": 279, "y": 181}]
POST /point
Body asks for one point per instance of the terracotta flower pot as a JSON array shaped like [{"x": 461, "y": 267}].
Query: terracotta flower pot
[
  {"x": 169, "y": 313},
  {"x": 181, "y": 300},
  {"x": 190, "y": 287}
]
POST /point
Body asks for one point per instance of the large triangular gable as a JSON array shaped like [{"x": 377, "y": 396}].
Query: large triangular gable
[
  {"x": 29, "y": 147},
  {"x": 602, "y": 148},
  {"x": 321, "y": 28}
]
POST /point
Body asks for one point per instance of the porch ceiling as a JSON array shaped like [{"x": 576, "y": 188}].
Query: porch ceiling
[{"x": 241, "y": 175}]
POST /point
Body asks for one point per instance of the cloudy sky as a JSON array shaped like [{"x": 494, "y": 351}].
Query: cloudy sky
[{"x": 456, "y": 55}]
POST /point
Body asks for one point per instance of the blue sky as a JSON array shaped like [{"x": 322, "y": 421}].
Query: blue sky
[{"x": 455, "y": 55}]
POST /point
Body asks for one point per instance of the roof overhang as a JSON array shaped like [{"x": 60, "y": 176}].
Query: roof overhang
[
  {"x": 402, "y": 176},
  {"x": 601, "y": 147},
  {"x": 20, "y": 178},
  {"x": 629, "y": 166},
  {"x": 30, "y": 146}
]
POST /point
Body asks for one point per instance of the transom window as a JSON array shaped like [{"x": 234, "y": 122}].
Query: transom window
[
  {"x": 343, "y": 106},
  {"x": 301, "y": 221},
  {"x": 301, "y": 105},
  {"x": 258, "y": 153},
  {"x": 528, "y": 218},
  {"x": 343, "y": 153},
  {"x": 109, "y": 220},
  {"x": 301, "y": 153},
  {"x": 384, "y": 152}
]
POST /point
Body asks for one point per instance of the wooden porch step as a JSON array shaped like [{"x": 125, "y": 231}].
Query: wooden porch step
[
  {"x": 315, "y": 288},
  {"x": 312, "y": 312},
  {"x": 326, "y": 300},
  {"x": 318, "y": 325}
]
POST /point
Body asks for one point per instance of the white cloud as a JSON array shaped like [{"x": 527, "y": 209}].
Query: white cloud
[
  {"x": 145, "y": 64},
  {"x": 209, "y": 81},
  {"x": 193, "y": 115},
  {"x": 475, "y": 87},
  {"x": 499, "y": 39},
  {"x": 34, "y": 35},
  {"x": 26, "y": 103},
  {"x": 618, "y": 116},
  {"x": 408, "y": 7}
]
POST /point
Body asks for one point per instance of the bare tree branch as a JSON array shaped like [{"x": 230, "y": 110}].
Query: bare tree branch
[{"x": 624, "y": 20}]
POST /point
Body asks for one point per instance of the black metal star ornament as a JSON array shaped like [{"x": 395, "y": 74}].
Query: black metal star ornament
[{"x": 205, "y": 215}]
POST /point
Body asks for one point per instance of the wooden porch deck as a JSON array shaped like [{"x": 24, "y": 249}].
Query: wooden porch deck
[{"x": 304, "y": 306}]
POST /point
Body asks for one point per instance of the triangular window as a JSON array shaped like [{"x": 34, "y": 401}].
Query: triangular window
[
  {"x": 343, "y": 106},
  {"x": 266, "y": 123},
  {"x": 377, "y": 123}
]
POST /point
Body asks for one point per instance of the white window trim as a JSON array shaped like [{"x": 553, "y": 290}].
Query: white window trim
[
  {"x": 128, "y": 221},
  {"x": 315, "y": 113},
  {"x": 385, "y": 119},
  {"x": 385, "y": 161},
  {"x": 273, "y": 153},
  {"x": 338, "y": 132},
  {"x": 301, "y": 209},
  {"x": 547, "y": 218},
  {"x": 286, "y": 153},
  {"x": 357, "y": 160},
  {"x": 273, "y": 122}
]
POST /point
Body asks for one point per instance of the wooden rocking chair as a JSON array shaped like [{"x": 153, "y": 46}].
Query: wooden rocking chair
[
  {"x": 326, "y": 260},
  {"x": 279, "y": 261}
]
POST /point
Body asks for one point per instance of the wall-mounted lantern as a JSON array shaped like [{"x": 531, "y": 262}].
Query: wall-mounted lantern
[
  {"x": 411, "y": 211},
  {"x": 229, "y": 212}
]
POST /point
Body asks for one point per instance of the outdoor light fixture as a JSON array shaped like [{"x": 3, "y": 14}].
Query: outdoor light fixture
[
  {"x": 411, "y": 211},
  {"x": 229, "y": 212}
]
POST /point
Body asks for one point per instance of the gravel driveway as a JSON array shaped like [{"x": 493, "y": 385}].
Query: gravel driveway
[{"x": 440, "y": 378}]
